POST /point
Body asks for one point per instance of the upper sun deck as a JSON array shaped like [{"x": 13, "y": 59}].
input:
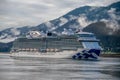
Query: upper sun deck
[{"x": 81, "y": 36}]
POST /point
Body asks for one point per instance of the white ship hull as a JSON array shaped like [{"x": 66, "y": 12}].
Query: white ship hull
[
  {"x": 79, "y": 54},
  {"x": 63, "y": 54}
]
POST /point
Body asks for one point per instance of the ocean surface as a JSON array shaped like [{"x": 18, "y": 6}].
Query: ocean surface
[{"x": 58, "y": 69}]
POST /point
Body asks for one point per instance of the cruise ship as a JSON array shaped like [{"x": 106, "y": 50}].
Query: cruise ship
[{"x": 78, "y": 45}]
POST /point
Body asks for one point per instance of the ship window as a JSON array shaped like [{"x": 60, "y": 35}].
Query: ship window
[
  {"x": 90, "y": 45},
  {"x": 86, "y": 35}
]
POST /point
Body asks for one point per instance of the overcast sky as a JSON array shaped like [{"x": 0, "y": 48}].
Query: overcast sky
[{"x": 17, "y": 13}]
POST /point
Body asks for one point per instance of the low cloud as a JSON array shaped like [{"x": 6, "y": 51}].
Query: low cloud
[
  {"x": 112, "y": 22},
  {"x": 83, "y": 21}
]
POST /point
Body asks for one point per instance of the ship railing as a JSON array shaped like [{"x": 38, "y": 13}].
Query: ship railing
[{"x": 88, "y": 39}]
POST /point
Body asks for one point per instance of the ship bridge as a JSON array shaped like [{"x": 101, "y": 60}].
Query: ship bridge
[
  {"x": 88, "y": 40},
  {"x": 85, "y": 36}
]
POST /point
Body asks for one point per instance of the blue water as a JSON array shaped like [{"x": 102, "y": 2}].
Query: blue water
[{"x": 58, "y": 69}]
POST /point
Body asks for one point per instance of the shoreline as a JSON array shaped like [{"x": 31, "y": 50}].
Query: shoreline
[{"x": 114, "y": 55}]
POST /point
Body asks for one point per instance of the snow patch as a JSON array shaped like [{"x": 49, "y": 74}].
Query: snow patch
[
  {"x": 53, "y": 28},
  {"x": 15, "y": 32},
  {"x": 72, "y": 17},
  {"x": 83, "y": 21},
  {"x": 3, "y": 36},
  {"x": 63, "y": 21},
  {"x": 74, "y": 26},
  {"x": 48, "y": 24},
  {"x": 92, "y": 8},
  {"x": 9, "y": 36},
  {"x": 67, "y": 32},
  {"x": 7, "y": 40},
  {"x": 112, "y": 22}
]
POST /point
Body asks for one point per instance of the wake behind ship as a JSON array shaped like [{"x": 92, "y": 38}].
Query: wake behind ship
[{"x": 81, "y": 45}]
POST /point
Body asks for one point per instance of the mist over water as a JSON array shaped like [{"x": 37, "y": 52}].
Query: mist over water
[{"x": 58, "y": 69}]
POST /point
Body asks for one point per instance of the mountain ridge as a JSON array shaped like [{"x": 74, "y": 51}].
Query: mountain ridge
[{"x": 79, "y": 17}]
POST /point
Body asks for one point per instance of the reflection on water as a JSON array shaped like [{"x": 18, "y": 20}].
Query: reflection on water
[{"x": 58, "y": 69}]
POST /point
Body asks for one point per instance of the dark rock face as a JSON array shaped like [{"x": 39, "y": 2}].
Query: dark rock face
[{"x": 109, "y": 41}]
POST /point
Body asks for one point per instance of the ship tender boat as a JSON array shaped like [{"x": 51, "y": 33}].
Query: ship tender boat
[{"x": 80, "y": 45}]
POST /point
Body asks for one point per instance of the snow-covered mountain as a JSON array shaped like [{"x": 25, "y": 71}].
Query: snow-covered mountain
[
  {"x": 11, "y": 34},
  {"x": 83, "y": 16},
  {"x": 75, "y": 19}
]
